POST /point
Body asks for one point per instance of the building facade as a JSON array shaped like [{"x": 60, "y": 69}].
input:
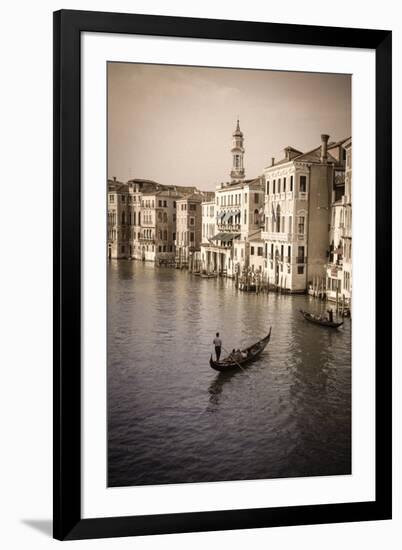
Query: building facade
[
  {"x": 118, "y": 235},
  {"x": 298, "y": 192},
  {"x": 188, "y": 228},
  {"x": 339, "y": 266}
]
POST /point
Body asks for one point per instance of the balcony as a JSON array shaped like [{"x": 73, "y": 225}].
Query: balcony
[
  {"x": 229, "y": 226},
  {"x": 281, "y": 237}
]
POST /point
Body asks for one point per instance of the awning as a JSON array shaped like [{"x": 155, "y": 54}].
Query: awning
[
  {"x": 225, "y": 237},
  {"x": 220, "y": 214}
]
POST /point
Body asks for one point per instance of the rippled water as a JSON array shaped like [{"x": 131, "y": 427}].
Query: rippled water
[{"x": 172, "y": 419}]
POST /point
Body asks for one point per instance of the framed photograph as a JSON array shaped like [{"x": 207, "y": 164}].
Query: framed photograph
[{"x": 208, "y": 272}]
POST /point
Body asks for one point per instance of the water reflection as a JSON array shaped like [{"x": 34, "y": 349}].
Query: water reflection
[{"x": 172, "y": 419}]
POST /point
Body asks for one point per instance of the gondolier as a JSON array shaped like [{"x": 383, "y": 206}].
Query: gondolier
[
  {"x": 218, "y": 346},
  {"x": 238, "y": 359}
]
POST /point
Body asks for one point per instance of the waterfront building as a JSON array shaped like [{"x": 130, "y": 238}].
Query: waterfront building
[
  {"x": 142, "y": 219},
  {"x": 208, "y": 220},
  {"x": 188, "y": 228},
  {"x": 339, "y": 266},
  {"x": 238, "y": 214},
  {"x": 117, "y": 220},
  {"x": 298, "y": 192}
]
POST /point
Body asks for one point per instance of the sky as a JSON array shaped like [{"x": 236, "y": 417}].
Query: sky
[{"x": 174, "y": 124}]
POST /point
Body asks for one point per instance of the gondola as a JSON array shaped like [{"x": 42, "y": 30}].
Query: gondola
[
  {"x": 320, "y": 321},
  {"x": 250, "y": 354}
]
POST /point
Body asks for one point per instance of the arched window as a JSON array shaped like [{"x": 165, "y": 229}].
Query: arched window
[
  {"x": 165, "y": 235},
  {"x": 278, "y": 219},
  {"x": 165, "y": 217},
  {"x": 256, "y": 217}
]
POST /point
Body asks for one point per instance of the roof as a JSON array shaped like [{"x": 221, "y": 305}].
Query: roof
[
  {"x": 240, "y": 184},
  {"x": 314, "y": 155},
  {"x": 191, "y": 198}
]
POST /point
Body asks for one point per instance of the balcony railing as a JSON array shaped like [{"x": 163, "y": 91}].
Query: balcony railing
[{"x": 229, "y": 226}]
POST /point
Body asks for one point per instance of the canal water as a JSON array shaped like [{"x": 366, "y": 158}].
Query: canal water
[{"x": 172, "y": 419}]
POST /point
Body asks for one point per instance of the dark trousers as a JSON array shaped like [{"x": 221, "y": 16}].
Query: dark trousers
[{"x": 218, "y": 352}]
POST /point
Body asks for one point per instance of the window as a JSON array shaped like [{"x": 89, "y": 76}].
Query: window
[
  {"x": 245, "y": 198},
  {"x": 256, "y": 217},
  {"x": 191, "y": 221},
  {"x": 165, "y": 203},
  {"x": 279, "y": 185},
  {"x": 111, "y": 198},
  {"x": 260, "y": 251},
  {"x": 278, "y": 219},
  {"x": 256, "y": 198},
  {"x": 192, "y": 207},
  {"x": 281, "y": 252},
  {"x": 159, "y": 203},
  {"x": 300, "y": 269},
  {"x": 300, "y": 227},
  {"x": 303, "y": 184},
  {"x": 123, "y": 249},
  {"x": 123, "y": 198},
  {"x": 174, "y": 204},
  {"x": 291, "y": 183},
  {"x": 283, "y": 224},
  {"x": 123, "y": 218},
  {"x": 273, "y": 186},
  {"x": 165, "y": 218},
  {"x": 245, "y": 216},
  {"x": 165, "y": 235},
  {"x": 289, "y": 254},
  {"x": 191, "y": 236},
  {"x": 267, "y": 187},
  {"x": 252, "y": 250},
  {"x": 290, "y": 224},
  {"x": 284, "y": 185}
]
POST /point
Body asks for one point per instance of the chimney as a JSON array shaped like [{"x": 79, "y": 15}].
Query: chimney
[
  {"x": 272, "y": 161},
  {"x": 324, "y": 148},
  {"x": 114, "y": 178}
]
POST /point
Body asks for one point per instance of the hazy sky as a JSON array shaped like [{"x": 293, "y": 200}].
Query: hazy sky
[{"x": 175, "y": 124}]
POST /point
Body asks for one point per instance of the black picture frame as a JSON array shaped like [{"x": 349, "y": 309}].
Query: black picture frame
[{"x": 68, "y": 26}]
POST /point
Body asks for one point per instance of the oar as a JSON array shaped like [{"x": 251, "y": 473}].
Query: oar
[{"x": 234, "y": 360}]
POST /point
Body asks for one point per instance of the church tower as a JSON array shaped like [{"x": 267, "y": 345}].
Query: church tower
[{"x": 237, "y": 150}]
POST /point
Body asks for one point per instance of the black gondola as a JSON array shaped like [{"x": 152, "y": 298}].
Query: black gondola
[
  {"x": 250, "y": 354},
  {"x": 319, "y": 320}
]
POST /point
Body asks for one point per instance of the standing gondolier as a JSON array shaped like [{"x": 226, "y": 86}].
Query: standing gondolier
[{"x": 218, "y": 346}]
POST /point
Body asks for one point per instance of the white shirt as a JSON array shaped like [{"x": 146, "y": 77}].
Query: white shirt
[{"x": 217, "y": 342}]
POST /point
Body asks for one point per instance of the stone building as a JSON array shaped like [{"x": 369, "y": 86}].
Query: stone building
[
  {"x": 188, "y": 228},
  {"x": 339, "y": 266},
  {"x": 238, "y": 214},
  {"x": 298, "y": 192},
  {"x": 142, "y": 219},
  {"x": 208, "y": 220},
  {"x": 118, "y": 235}
]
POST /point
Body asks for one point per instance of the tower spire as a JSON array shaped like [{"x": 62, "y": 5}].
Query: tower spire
[{"x": 237, "y": 172}]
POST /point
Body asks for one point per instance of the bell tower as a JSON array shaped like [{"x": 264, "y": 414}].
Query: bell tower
[{"x": 237, "y": 150}]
